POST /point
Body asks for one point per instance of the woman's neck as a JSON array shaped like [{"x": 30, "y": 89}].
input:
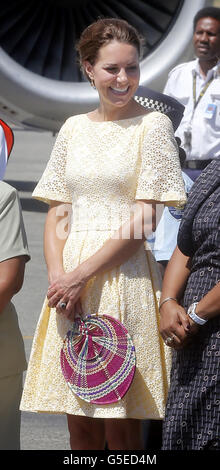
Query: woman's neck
[{"x": 108, "y": 113}]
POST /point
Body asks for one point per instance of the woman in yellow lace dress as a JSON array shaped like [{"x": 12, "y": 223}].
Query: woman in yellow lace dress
[{"x": 110, "y": 166}]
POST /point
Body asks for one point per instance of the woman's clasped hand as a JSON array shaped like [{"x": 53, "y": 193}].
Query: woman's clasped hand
[
  {"x": 176, "y": 327},
  {"x": 64, "y": 294}
]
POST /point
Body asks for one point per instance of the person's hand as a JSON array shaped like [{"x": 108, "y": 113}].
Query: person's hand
[
  {"x": 175, "y": 326},
  {"x": 64, "y": 294},
  {"x": 194, "y": 328},
  {"x": 73, "y": 312}
]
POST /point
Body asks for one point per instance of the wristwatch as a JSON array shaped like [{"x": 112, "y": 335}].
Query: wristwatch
[{"x": 191, "y": 312}]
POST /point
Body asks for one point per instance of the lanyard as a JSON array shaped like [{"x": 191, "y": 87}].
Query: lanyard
[
  {"x": 188, "y": 131},
  {"x": 202, "y": 92}
]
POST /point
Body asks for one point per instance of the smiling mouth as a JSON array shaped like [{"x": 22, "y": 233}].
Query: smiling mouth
[{"x": 120, "y": 91}]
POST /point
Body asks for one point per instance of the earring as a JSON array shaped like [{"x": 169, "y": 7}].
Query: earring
[{"x": 92, "y": 83}]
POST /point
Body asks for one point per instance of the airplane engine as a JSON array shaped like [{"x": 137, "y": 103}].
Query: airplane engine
[{"x": 40, "y": 80}]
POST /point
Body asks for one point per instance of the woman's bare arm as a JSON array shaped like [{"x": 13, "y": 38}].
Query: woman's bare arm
[
  {"x": 209, "y": 306},
  {"x": 117, "y": 250},
  {"x": 174, "y": 321},
  {"x": 176, "y": 275},
  {"x": 55, "y": 234}
]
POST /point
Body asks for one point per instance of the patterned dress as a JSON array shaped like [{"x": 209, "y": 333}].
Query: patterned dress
[
  {"x": 101, "y": 168},
  {"x": 193, "y": 408}
]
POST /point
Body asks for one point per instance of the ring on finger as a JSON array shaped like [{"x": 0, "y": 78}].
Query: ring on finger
[
  {"x": 63, "y": 305},
  {"x": 169, "y": 340}
]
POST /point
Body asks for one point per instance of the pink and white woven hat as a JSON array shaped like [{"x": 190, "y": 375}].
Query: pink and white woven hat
[{"x": 98, "y": 359}]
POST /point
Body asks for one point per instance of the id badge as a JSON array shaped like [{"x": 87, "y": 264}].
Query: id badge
[{"x": 210, "y": 110}]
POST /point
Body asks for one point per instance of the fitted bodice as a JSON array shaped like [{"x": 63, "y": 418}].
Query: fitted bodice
[{"x": 102, "y": 168}]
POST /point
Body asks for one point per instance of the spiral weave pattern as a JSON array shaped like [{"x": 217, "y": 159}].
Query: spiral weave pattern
[{"x": 98, "y": 359}]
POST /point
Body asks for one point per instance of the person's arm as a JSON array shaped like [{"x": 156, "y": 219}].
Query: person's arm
[
  {"x": 114, "y": 252},
  {"x": 55, "y": 234},
  {"x": 13, "y": 244},
  {"x": 209, "y": 306},
  {"x": 176, "y": 275},
  {"x": 11, "y": 279},
  {"x": 174, "y": 321}
]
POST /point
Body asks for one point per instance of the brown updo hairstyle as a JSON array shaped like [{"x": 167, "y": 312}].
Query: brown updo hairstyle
[{"x": 100, "y": 33}]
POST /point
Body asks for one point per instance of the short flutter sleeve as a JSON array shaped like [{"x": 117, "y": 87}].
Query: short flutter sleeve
[
  {"x": 160, "y": 177},
  {"x": 52, "y": 185}
]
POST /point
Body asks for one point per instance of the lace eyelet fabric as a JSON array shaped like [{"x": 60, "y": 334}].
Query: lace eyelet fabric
[{"x": 101, "y": 169}]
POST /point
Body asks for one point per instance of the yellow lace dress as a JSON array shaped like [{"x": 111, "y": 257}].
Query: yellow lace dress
[{"x": 101, "y": 168}]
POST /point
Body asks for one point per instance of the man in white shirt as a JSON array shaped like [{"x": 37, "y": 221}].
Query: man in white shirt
[{"x": 196, "y": 85}]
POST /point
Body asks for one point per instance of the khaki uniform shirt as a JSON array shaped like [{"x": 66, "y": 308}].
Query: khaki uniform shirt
[{"x": 13, "y": 243}]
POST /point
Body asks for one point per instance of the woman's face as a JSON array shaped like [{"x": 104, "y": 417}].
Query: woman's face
[{"x": 116, "y": 73}]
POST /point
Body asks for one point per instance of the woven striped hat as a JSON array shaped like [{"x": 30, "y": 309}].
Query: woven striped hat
[{"x": 98, "y": 359}]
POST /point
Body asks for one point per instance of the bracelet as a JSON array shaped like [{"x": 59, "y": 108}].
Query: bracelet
[
  {"x": 192, "y": 314},
  {"x": 166, "y": 300}
]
